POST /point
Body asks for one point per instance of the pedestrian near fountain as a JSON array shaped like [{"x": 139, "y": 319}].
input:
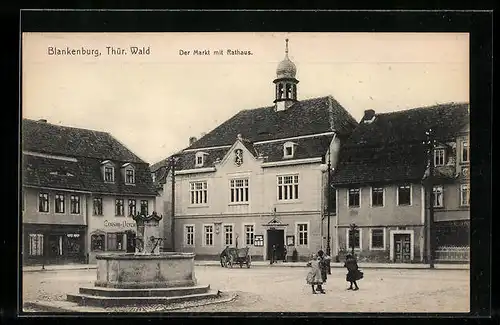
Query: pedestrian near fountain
[
  {"x": 314, "y": 275},
  {"x": 353, "y": 272}
]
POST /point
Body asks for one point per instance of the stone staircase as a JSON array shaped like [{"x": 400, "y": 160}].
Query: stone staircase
[{"x": 112, "y": 297}]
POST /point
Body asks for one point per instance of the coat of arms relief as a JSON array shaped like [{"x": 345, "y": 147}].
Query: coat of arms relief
[{"x": 238, "y": 157}]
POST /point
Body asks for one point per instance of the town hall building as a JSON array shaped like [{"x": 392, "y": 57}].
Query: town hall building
[{"x": 258, "y": 179}]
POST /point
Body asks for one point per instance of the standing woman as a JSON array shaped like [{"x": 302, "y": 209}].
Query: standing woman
[
  {"x": 353, "y": 273},
  {"x": 314, "y": 275},
  {"x": 323, "y": 265}
]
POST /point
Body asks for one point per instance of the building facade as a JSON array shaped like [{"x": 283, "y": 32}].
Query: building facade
[
  {"x": 381, "y": 185},
  {"x": 258, "y": 179},
  {"x": 79, "y": 190}
]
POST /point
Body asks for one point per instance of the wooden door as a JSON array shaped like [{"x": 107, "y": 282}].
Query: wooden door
[{"x": 402, "y": 248}]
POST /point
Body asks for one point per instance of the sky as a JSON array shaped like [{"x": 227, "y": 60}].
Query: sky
[{"x": 153, "y": 103}]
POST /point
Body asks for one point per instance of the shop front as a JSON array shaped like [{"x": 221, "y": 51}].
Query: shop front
[
  {"x": 111, "y": 235},
  {"x": 53, "y": 244}
]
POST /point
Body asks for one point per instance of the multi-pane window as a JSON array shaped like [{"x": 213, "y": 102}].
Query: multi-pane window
[
  {"x": 377, "y": 239},
  {"x": 97, "y": 242},
  {"x": 464, "y": 195},
  {"x": 119, "y": 207},
  {"x": 199, "y": 160},
  {"x": 354, "y": 197},
  {"x": 302, "y": 234},
  {"x": 59, "y": 202},
  {"x": 109, "y": 174},
  {"x": 189, "y": 235},
  {"x": 239, "y": 190},
  {"x": 404, "y": 195},
  {"x": 36, "y": 244},
  {"x": 439, "y": 157},
  {"x": 377, "y": 196},
  {"x": 208, "y": 234},
  {"x": 228, "y": 234},
  {"x": 437, "y": 196},
  {"x": 43, "y": 202},
  {"x": 465, "y": 151},
  {"x": 249, "y": 234},
  {"x": 98, "y": 206},
  {"x": 353, "y": 238},
  {"x": 288, "y": 187},
  {"x": 132, "y": 210},
  {"x": 75, "y": 204},
  {"x": 198, "y": 192},
  {"x": 115, "y": 241},
  {"x": 144, "y": 207},
  {"x": 129, "y": 176}
]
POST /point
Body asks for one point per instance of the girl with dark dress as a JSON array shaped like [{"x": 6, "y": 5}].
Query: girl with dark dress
[{"x": 353, "y": 273}]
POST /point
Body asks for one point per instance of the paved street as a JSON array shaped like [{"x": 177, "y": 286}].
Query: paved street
[{"x": 266, "y": 289}]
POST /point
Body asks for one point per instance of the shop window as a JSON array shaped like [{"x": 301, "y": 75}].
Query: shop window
[
  {"x": 73, "y": 243},
  {"x": 36, "y": 244},
  {"x": 97, "y": 242},
  {"x": 115, "y": 241}
]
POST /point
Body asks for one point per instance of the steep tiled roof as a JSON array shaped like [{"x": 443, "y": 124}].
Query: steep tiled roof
[
  {"x": 89, "y": 148},
  {"x": 68, "y": 141},
  {"x": 84, "y": 175},
  {"x": 306, "y": 117},
  {"x": 312, "y": 147},
  {"x": 391, "y": 149}
]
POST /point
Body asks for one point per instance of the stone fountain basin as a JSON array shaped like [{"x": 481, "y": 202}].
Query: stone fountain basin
[{"x": 138, "y": 271}]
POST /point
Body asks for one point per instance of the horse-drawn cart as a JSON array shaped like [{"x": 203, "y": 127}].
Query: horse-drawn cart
[{"x": 232, "y": 255}]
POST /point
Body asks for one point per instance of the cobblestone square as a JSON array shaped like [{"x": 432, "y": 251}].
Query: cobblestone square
[{"x": 283, "y": 289}]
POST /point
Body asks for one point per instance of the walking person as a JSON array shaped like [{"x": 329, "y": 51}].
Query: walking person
[
  {"x": 284, "y": 253},
  {"x": 314, "y": 275},
  {"x": 353, "y": 272}
]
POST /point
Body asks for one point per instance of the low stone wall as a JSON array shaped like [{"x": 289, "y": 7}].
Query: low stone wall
[{"x": 145, "y": 271}]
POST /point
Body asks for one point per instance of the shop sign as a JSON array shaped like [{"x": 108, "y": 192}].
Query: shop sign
[{"x": 122, "y": 224}]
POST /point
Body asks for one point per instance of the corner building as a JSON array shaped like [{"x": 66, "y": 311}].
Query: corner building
[
  {"x": 79, "y": 190},
  {"x": 258, "y": 179},
  {"x": 381, "y": 186}
]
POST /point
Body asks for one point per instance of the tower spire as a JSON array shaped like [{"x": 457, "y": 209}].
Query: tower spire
[{"x": 286, "y": 84}]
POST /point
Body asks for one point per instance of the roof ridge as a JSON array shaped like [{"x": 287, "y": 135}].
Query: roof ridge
[
  {"x": 428, "y": 107},
  {"x": 65, "y": 126}
]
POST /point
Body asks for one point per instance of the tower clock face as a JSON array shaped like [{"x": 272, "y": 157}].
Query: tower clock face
[{"x": 238, "y": 157}]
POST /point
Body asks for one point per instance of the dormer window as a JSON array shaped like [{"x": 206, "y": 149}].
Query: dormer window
[
  {"x": 108, "y": 171},
  {"x": 129, "y": 173},
  {"x": 288, "y": 150},
  {"x": 200, "y": 159}
]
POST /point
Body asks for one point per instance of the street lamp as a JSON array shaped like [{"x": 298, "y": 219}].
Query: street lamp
[
  {"x": 328, "y": 205},
  {"x": 173, "y": 161},
  {"x": 430, "y": 188}
]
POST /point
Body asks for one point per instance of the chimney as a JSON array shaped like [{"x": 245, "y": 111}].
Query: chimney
[
  {"x": 42, "y": 121},
  {"x": 369, "y": 116},
  {"x": 192, "y": 140}
]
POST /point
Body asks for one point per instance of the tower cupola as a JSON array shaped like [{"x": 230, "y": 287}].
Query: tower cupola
[{"x": 285, "y": 83}]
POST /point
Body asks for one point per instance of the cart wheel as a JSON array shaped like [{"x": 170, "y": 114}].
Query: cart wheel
[{"x": 249, "y": 261}]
